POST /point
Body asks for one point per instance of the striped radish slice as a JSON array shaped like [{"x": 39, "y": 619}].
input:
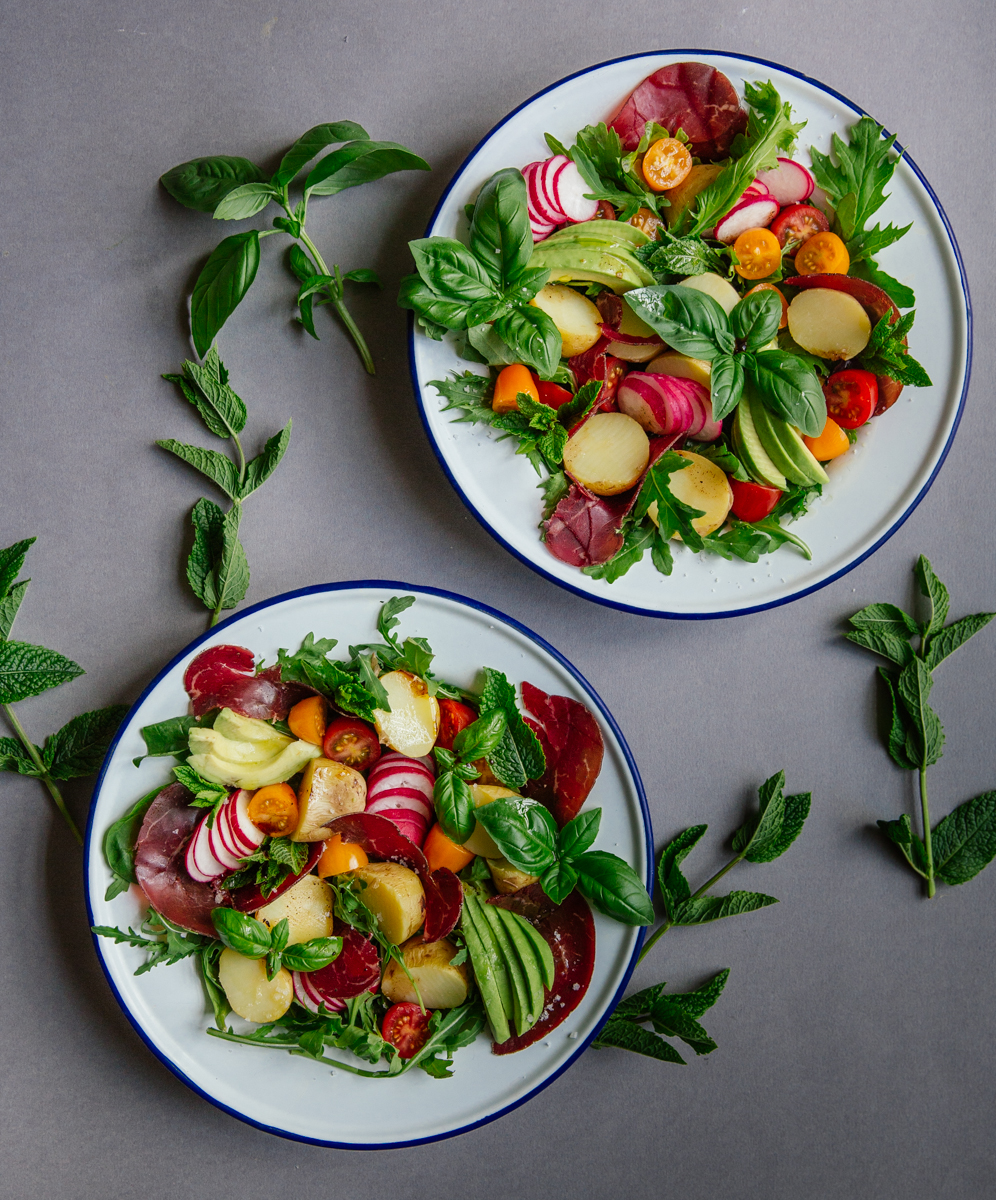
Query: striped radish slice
[
  {"x": 219, "y": 850},
  {"x": 300, "y": 993},
  {"x": 200, "y": 862},
  {"x": 569, "y": 190},
  {"x": 243, "y": 828},
  {"x": 401, "y": 772},
  {"x": 546, "y": 179},
  {"x": 413, "y": 826},
  {"x": 225, "y": 832},
  {"x": 539, "y": 210},
  {"x": 540, "y": 232}
]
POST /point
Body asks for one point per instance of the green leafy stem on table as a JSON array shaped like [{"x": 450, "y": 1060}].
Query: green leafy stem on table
[{"x": 26, "y": 670}]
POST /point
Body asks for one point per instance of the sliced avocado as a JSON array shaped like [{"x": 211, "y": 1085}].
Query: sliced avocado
[
  {"x": 484, "y": 960},
  {"x": 276, "y": 769},
  {"x": 521, "y": 997},
  {"x": 785, "y": 446},
  {"x": 748, "y": 448},
  {"x": 531, "y": 966},
  {"x": 249, "y": 729},
  {"x": 540, "y": 945},
  {"x": 571, "y": 262},
  {"x": 611, "y": 232}
]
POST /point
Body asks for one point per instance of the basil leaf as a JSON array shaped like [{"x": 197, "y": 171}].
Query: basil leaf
[
  {"x": 241, "y": 933},
  {"x": 686, "y": 319},
  {"x": 78, "y": 748},
  {"x": 613, "y": 887},
  {"x": 533, "y": 337},
  {"x": 357, "y": 162},
  {"x": 450, "y": 270},
  {"x": 312, "y": 955},
  {"x": 726, "y": 385},
  {"x": 500, "y": 235},
  {"x": 480, "y": 738},
  {"x": 578, "y": 835},
  {"x": 756, "y": 319},
  {"x": 279, "y": 935},
  {"x": 245, "y": 201},
  {"x": 311, "y": 143},
  {"x": 523, "y": 830},
  {"x": 454, "y": 806},
  {"x": 300, "y": 264},
  {"x": 259, "y": 469},
  {"x": 415, "y": 294},
  {"x": 224, "y": 280},
  {"x": 789, "y": 387},
  {"x": 559, "y": 880},
  {"x": 119, "y": 844},
  {"x": 203, "y": 183},
  {"x": 27, "y": 670}
]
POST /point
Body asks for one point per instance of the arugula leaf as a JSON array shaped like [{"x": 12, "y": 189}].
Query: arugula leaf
[
  {"x": 519, "y": 755},
  {"x": 673, "y": 515},
  {"x": 886, "y": 354},
  {"x": 223, "y": 282},
  {"x": 554, "y": 487},
  {"x": 167, "y": 943},
  {"x": 388, "y": 619},
  {"x": 28, "y": 670},
  {"x": 78, "y": 748},
  {"x": 964, "y": 842},
  {"x": 638, "y": 537},
  {"x": 203, "y": 183},
  {"x": 779, "y": 821}
]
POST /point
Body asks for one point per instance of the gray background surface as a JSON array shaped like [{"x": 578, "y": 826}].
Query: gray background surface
[{"x": 856, "y": 1037}]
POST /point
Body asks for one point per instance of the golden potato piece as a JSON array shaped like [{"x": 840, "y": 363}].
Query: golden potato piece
[
  {"x": 829, "y": 323},
  {"x": 394, "y": 895},
  {"x": 328, "y": 790},
  {"x": 702, "y": 486},
  {"x": 508, "y": 879},
  {"x": 413, "y": 722},
  {"x": 681, "y": 366},
  {"x": 249, "y": 992},
  {"x": 578, "y": 321},
  {"x": 308, "y": 909},
  {"x": 480, "y": 841},
  {"x": 440, "y": 984},
  {"x": 608, "y": 454}
]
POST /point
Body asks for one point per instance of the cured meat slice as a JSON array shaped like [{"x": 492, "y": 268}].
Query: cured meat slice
[
  {"x": 159, "y": 868},
  {"x": 354, "y": 971},
  {"x": 224, "y": 677},
  {"x": 530, "y": 901},
  {"x": 584, "y": 528},
  {"x": 597, "y": 364},
  {"x": 690, "y": 96},
  {"x": 249, "y": 898},
  {"x": 570, "y": 931},
  {"x": 574, "y": 750}
]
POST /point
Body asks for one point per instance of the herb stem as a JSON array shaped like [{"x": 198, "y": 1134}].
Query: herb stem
[
  {"x": 925, "y": 813},
  {"x": 337, "y": 303},
  {"x": 45, "y": 777},
  {"x": 659, "y": 933}
]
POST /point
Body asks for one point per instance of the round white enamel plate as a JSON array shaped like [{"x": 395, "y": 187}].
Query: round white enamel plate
[
  {"x": 294, "y": 1096},
  {"x": 872, "y": 489}
]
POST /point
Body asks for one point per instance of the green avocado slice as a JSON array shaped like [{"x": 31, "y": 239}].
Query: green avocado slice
[
  {"x": 540, "y": 945},
  {"x": 522, "y": 1008},
  {"x": 489, "y": 971},
  {"x": 573, "y": 262},
  {"x": 785, "y": 446},
  {"x": 529, "y": 959},
  {"x": 610, "y": 232},
  {"x": 748, "y": 448}
]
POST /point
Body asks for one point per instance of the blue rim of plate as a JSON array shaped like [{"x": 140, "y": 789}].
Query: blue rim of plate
[
  {"x": 494, "y": 613},
  {"x": 739, "y": 612}
]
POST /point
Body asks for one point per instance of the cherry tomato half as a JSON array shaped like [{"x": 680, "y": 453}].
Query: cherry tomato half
[
  {"x": 553, "y": 394},
  {"x": 758, "y": 252},
  {"x": 770, "y": 287},
  {"x": 822, "y": 254},
  {"x": 406, "y": 1027},
  {"x": 753, "y": 501},
  {"x": 851, "y": 397},
  {"x": 797, "y": 223},
  {"x": 453, "y": 716},
  {"x": 352, "y": 742},
  {"x": 666, "y": 164}
]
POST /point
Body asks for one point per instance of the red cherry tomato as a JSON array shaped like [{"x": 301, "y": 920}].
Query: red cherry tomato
[
  {"x": 352, "y": 742},
  {"x": 851, "y": 397},
  {"x": 453, "y": 716},
  {"x": 553, "y": 394},
  {"x": 753, "y": 501},
  {"x": 797, "y": 223},
  {"x": 406, "y": 1027}
]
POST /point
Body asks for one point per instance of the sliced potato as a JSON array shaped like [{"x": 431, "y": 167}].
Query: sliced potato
[
  {"x": 394, "y": 895},
  {"x": 328, "y": 790},
  {"x": 608, "y": 454},
  {"x": 249, "y": 992},
  {"x": 828, "y": 323},
  {"x": 413, "y": 722},
  {"x": 440, "y": 984},
  {"x": 704, "y": 486},
  {"x": 307, "y": 907},
  {"x": 480, "y": 841},
  {"x": 577, "y": 319},
  {"x": 720, "y": 289},
  {"x": 680, "y": 366},
  {"x": 508, "y": 879}
]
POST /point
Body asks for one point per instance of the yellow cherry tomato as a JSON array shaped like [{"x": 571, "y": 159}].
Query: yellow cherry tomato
[
  {"x": 307, "y": 719},
  {"x": 832, "y": 442},
  {"x": 273, "y": 809},
  {"x": 666, "y": 164},
  {"x": 758, "y": 252},
  {"x": 339, "y": 856},
  {"x": 822, "y": 254},
  {"x": 770, "y": 287},
  {"x": 646, "y": 220}
]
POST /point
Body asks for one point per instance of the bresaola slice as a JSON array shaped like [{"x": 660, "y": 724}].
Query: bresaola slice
[
  {"x": 574, "y": 748},
  {"x": 224, "y": 677},
  {"x": 356, "y": 970}
]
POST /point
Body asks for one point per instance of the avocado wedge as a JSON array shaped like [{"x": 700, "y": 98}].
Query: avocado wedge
[
  {"x": 489, "y": 969},
  {"x": 540, "y": 945},
  {"x": 571, "y": 262},
  {"x": 610, "y": 233},
  {"x": 747, "y": 447},
  {"x": 529, "y": 959},
  {"x": 521, "y": 993},
  {"x": 785, "y": 446}
]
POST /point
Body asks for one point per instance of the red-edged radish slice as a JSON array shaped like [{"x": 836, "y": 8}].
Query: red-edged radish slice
[
  {"x": 219, "y": 850},
  {"x": 300, "y": 993},
  {"x": 229, "y": 841},
  {"x": 658, "y": 406},
  {"x": 242, "y": 826},
  {"x": 190, "y": 861},
  {"x": 402, "y": 772},
  {"x": 704, "y": 428},
  {"x": 540, "y": 232},
  {"x": 200, "y": 862},
  {"x": 752, "y": 214},
  {"x": 789, "y": 183},
  {"x": 546, "y": 181},
  {"x": 539, "y": 209},
  {"x": 569, "y": 190},
  {"x": 756, "y": 190},
  {"x": 401, "y": 798},
  {"x": 629, "y": 347}
]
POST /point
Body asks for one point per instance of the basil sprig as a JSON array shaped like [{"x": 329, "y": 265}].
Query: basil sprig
[
  {"x": 451, "y": 796},
  {"x": 695, "y": 324},
  {"x": 489, "y": 283},
  {"x": 526, "y": 834},
  {"x": 252, "y": 939}
]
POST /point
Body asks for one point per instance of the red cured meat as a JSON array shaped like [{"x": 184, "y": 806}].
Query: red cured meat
[
  {"x": 584, "y": 528},
  {"x": 530, "y": 901},
  {"x": 596, "y": 364},
  {"x": 159, "y": 865},
  {"x": 574, "y": 750},
  {"x": 356, "y": 970},
  {"x": 382, "y": 839},
  {"x": 249, "y": 898},
  {"x": 224, "y": 677},
  {"x": 690, "y": 96},
  {"x": 570, "y": 931}
]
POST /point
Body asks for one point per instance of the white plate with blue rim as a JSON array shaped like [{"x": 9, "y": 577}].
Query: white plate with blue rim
[
  {"x": 293, "y": 1096},
  {"x": 872, "y": 489}
]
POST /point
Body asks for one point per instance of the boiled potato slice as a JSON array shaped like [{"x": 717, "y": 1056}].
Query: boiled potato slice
[
  {"x": 508, "y": 879},
  {"x": 577, "y": 319},
  {"x": 328, "y": 790},
  {"x": 413, "y": 722},
  {"x": 703, "y": 486},
  {"x": 440, "y": 984},
  {"x": 307, "y": 906},
  {"x": 720, "y": 289},
  {"x": 480, "y": 841},
  {"x": 830, "y": 324},
  {"x": 249, "y": 992},
  {"x": 394, "y": 895},
  {"x": 680, "y": 366},
  {"x": 608, "y": 454}
]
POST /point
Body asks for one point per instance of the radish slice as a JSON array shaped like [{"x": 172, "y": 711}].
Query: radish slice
[
  {"x": 218, "y": 848},
  {"x": 569, "y": 192},
  {"x": 659, "y": 407},
  {"x": 401, "y": 798},
  {"x": 546, "y": 179},
  {"x": 789, "y": 183},
  {"x": 539, "y": 210},
  {"x": 704, "y": 428},
  {"x": 752, "y": 214},
  {"x": 200, "y": 862},
  {"x": 757, "y": 190},
  {"x": 400, "y": 789},
  {"x": 540, "y": 232},
  {"x": 229, "y": 841},
  {"x": 301, "y": 995},
  {"x": 243, "y": 828},
  {"x": 190, "y": 862}
]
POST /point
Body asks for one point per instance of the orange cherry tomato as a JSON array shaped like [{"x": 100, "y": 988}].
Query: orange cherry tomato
[
  {"x": 307, "y": 719},
  {"x": 441, "y": 852},
  {"x": 759, "y": 254},
  {"x": 647, "y": 220},
  {"x": 822, "y": 254},
  {"x": 666, "y": 164},
  {"x": 512, "y": 380},
  {"x": 273, "y": 809},
  {"x": 770, "y": 287},
  {"x": 339, "y": 856},
  {"x": 832, "y": 442}
]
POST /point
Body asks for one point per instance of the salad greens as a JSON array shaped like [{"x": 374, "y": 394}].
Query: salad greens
[{"x": 964, "y": 842}]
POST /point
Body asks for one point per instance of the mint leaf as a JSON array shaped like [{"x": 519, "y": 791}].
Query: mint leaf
[
  {"x": 714, "y": 908},
  {"x": 217, "y": 568},
  {"x": 11, "y": 561},
  {"x": 220, "y": 408},
  {"x": 925, "y": 738},
  {"x": 79, "y": 747},
  {"x": 28, "y": 670},
  {"x": 9, "y": 606},
  {"x": 885, "y": 618},
  {"x": 624, "y": 1035},
  {"x": 260, "y": 468},
  {"x": 519, "y": 756},
  {"x": 674, "y": 887},
  {"x": 964, "y": 842},
  {"x": 778, "y": 823},
  {"x": 13, "y": 757},
  {"x": 894, "y": 647},
  {"x": 694, "y": 1004},
  {"x": 898, "y": 734},
  {"x": 217, "y": 467},
  {"x": 947, "y": 640},
  {"x": 901, "y": 834},
  {"x": 671, "y": 1022},
  {"x": 936, "y": 593}
]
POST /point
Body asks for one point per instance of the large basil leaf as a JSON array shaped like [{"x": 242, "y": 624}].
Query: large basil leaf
[
  {"x": 686, "y": 319},
  {"x": 422, "y": 300},
  {"x": 523, "y": 830},
  {"x": 726, "y": 385},
  {"x": 309, "y": 144},
  {"x": 360, "y": 162},
  {"x": 789, "y": 387},
  {"x": 245, "y": 201},
  {"x": 532, "y": 335},
  {"x": 756, "y": 318},
  {"x": 226, "y": 277},
  {"x": 203, "y": 182},
  {"x": 450, "y": 270},
  {"x": 499, "y": 229}
]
